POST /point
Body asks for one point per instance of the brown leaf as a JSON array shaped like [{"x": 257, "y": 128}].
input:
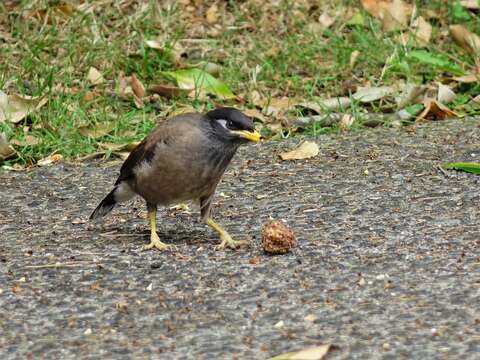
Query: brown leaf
[
  {"x": 50, "y": 160},
  {"x": 314, "y": 353},
  {"x": 255, "y": 114},
  {"x": 422, "y": 30},
  {"x": 393, "y": 15},
  {"x": 435, "y": 111},
  {"x": 94, "y": 76},
  {"x": 169, "y": 91},
  {"x": 466, "y": 39},
  {"x": 212, "y": 14},
  {"x": 129, "y": 87},
  {"x": 16, "y": 107},
  {"x": 137, "y": 86},
  {"x": 6, "y": 151},
  {"x": 276, "y": 106},
  {"x": 97, "y": 130},
  {"x": 467, "y": 79},
  {"x": 306, "y": 150}
]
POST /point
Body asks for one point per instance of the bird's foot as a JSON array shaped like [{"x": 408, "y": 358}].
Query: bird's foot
[
  {"x": 229, "y": 243},
  {"x": 157, "y": 244}
]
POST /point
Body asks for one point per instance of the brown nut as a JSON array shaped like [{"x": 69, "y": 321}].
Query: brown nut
[{"x": 277, "y": 238}]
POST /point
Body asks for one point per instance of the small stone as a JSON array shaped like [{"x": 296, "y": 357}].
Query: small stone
[
  {"x": 310, "y": 318},
  {"x": 277, "y": 238},
  {"x": 87, "y": 332},
  {"x": 149, "y": 287},
  {"x": 279, "y": 324},
  {"x": 362, "y": 282},
  {"x": 386, "y": 346}
]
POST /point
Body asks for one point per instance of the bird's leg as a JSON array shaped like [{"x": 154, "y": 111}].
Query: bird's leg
[
  {"x": 227, "y": 241},
  {"x": 154, "y": 239}
]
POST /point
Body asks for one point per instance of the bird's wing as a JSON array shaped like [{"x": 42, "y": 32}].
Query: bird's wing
[
  {"x": 144, "y": 151},
  {"x": 178, "y": 129}
]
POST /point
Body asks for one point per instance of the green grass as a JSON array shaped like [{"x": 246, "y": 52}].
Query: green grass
[{"x": 47, "y": 58}]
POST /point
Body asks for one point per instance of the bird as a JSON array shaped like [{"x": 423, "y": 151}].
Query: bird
[{"x": 181, "y": 159}]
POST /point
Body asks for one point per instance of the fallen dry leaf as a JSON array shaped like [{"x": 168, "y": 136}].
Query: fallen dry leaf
[
  {"x": 255, "y": 114},
  {"x": 435, "y": 111},
  {"x": 411, "y": 94},
  {"x": 169, "y": 91},
  {"x": 326, "y": 20},
  {"x": 275, "y": 106},
  {"x": 353, "y": 58},
  {"x": 306, "y": 150},
  {"x": 6, "y": 151},
  {"x": 16, "y": 107},
  {"x": 97, "y": 130},
  {"x": 131, "y": 88},
  {"x": 346, "y": 122},
  {"x": 370, "y": 94},
  {"x": 120, "y": 147},
  {"x": 466, "y": 39},
  {"x": 53, "y": 13},
  {"x": 471, "y": 4},
  {"x": 325, "y": 105},
  {"x": 28, "y": 140},
  {"x": 314, "y": 353},
  {"x": 137, "y": 86},
  {"x": 393, "y": 15},
  {"x": 467, "y": 79},
  {"x": 212, "y": 14},
  {"x": 445, "y": 95},
  {"x": 94, "y": 76},
  {"x": 50, "y": 160},
  {"x": 422, "y": 30}
]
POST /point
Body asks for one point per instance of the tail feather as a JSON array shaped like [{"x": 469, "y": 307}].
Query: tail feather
[{"x": 105, "y": 206}]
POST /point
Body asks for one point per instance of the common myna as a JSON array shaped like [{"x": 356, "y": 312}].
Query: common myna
[{"x": 182, "y": 159}]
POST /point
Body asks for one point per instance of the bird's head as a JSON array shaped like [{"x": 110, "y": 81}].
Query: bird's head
[{"x": 231, "y": 124}]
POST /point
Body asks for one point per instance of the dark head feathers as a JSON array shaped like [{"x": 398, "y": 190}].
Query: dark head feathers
[{"x": 236, "y": 120}]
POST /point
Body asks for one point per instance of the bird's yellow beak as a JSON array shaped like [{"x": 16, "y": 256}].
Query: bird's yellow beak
[{"x": 253, "y": 136}]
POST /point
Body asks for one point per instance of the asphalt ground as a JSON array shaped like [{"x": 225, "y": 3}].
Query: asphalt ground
[{"x": 387, "y": 264}]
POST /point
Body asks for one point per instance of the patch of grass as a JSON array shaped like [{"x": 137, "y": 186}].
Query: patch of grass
[{"x": 275, "y": 49}]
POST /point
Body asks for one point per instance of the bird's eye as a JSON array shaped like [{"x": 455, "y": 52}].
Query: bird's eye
[{"x": 230, "y": 124}]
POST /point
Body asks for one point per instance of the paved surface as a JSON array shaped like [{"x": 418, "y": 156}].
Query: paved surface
[{"x": 387, "y": 266}]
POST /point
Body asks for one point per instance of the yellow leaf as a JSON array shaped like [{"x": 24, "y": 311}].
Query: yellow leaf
[
  {"x": 314, "y": 353},
  {"x": 306, "y": 150},
  {"x": 50, "y": 160}
]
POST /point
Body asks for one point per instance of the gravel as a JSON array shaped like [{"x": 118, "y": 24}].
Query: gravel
[{"x": 387, "y": 264}]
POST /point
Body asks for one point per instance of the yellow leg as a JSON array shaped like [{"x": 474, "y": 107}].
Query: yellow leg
[
  {"x": 154, "y": 239},
  {"x": 227, "y": 241}
]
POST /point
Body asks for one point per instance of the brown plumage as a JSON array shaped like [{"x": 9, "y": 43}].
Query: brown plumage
[{"x": 182, "y": 159}]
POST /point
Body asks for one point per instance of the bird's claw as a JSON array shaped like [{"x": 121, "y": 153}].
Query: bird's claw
[
  {"x": 157, "y": 244},
  {"x": 229, "y": 243}
]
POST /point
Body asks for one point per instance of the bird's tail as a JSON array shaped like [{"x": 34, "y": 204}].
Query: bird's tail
[{"x": 105, "y": 206}]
